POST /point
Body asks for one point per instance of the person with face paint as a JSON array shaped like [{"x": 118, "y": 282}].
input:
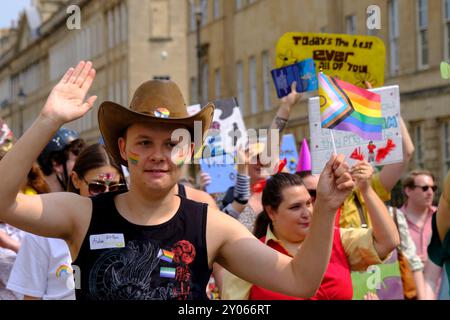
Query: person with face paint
[
  {"x": 43, "y": 268},
  {"x": 149, "y": 243}
]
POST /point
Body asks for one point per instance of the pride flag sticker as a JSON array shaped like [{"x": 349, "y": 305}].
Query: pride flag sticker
[
  {"x": 165, "y": 255},
  {"x": 167, "y": 273}
]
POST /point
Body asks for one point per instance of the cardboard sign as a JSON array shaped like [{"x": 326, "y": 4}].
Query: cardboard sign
[
  {"x": 303, "y": 72},
  {"x": 383, "y": 279},
  {"x": 352, "y": 58},
  {"x": 288, "y": 150},
  {"x": 222, "y": 171},
  {"x": 353, "y": 146},
  {"x": 227, "y": 129}
]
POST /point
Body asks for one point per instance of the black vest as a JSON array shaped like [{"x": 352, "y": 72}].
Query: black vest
[{"x": 119, "y": 260}]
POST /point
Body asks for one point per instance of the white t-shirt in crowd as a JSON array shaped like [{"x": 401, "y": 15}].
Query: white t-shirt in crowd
[
  {"x": 43, "y": 269},
  {"x": 7, "y": 258}
]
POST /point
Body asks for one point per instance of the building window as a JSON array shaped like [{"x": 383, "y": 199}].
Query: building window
[
  {"x": 393, "y": 36},
  {"x": 350, "y": 24},
  {"x": 205, "y": 82},
  {"x": 216, "y": 9},
  {"x": 194, "y": 91},
  {"x": 160, "y": 20},
  {"x": 123, "y": 22},
  {"x": 240, "y": 84},
  {"x": 218, "y": 84},
  {"x": 253, "y": 89},
  {"x": 110, "y": 30},
  {"x": 447, "y": 29},
  {"x": 446, "y": 147},
  {"x": 238, "y": 4},
  {"x": 204, "y": 8},
  {"x": 266, "y": 80},
  {"x": 422, "y": 32},
  {"x": 418, "y": 143},
  {"x": 116, "y": 25},
  {"x": 124, "y": 88},
  {"x": 192, "y": 17}
]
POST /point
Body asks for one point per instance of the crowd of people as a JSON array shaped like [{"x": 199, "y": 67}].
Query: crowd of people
[{"x": 118, "y": 221}]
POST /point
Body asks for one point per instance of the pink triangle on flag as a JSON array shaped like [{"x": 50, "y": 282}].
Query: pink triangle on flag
[{"x": 304, "y": 160}]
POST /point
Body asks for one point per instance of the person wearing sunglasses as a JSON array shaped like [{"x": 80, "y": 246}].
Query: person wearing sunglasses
[
  {"x": 419, "y": 188},
  {"x": 43, "y": 268},
  {"x": 310, "y": 182}
]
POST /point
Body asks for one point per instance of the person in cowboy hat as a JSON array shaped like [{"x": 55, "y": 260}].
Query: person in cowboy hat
[{"x": 149, "y": 243}]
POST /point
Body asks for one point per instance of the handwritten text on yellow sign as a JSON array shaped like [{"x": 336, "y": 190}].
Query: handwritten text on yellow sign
[{"x": 354, "y": 59}]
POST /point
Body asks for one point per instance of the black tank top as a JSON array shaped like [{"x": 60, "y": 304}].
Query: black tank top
[
  {"x": 181, "y": 190},
  {"x": 119, "y": 260}
]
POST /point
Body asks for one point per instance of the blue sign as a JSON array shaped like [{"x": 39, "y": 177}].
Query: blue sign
[
  {"x": 288, "y": 150},
  {"x": 222, "y": 171},
  {"x": 304, "y": 72}
]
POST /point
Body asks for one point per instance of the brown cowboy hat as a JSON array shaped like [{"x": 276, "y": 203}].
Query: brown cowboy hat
[{"x": 155, "y": 101}]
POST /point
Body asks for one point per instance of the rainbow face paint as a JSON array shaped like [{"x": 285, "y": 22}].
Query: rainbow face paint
[{"x": 133, "y": 158}]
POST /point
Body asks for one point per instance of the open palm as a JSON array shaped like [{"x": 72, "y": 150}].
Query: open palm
[{"x": 67, "y": 102}]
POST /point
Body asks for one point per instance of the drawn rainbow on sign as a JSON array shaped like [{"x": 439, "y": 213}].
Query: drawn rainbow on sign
[
  {"x": 134, "y": 158},
  {"x": 63, "y": 271}
]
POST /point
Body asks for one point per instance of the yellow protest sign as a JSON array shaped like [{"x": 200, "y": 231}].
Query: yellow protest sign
[{"x": 352, "y": 58}]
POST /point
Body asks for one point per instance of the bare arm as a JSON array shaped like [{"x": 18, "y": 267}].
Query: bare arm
[
  {"x": 385, "y": 233},
  {"x": 432, "y": 275},
  {"x": 201, "y": 196},
  {"x": 248, "y": 258},
  {"x": 420, "y": 284},
  {"x": 7, "y": 242},
  {"x": 42, "y": 214},
  {"x": 284, "y": 111},
  {"x": 391, "y": 173}
]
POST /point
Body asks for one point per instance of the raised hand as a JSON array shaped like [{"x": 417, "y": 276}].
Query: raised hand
[
  {"x": 362, "y": 171},
  {"x": 335, "y": 183},
  {"x": 67, "y": 102},
  {"x": 205, "y": 180},
  {"x": 293, "y": 97}
]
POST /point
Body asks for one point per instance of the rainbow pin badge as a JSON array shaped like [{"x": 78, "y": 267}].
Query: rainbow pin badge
[
  {"x": 161, "y": 113},
  {"x": 165, "y": 255},
  {"x": 167, "y": 272},
  {"x": 63, "y": 271}
]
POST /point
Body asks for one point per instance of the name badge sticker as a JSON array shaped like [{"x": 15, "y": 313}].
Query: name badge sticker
[{"x": 106, "y": 241}]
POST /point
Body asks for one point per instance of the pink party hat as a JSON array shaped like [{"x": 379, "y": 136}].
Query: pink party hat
[{"x": 304, "y": 161}]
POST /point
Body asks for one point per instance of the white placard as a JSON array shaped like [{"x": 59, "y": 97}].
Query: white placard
[{"x": 347, "y": 142}]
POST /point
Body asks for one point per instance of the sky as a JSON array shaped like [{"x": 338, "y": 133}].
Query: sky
[{"x": 10, "y": 11}]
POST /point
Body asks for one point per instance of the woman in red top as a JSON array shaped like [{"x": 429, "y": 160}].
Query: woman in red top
[{"x": 284, "y": 225}]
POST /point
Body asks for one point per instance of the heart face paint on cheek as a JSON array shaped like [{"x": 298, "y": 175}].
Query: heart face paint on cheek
[{"x": 133, "y": 158}]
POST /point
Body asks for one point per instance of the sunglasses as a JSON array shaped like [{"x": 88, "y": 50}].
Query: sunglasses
[
  {"x": 97, "y": 187},
  {"x": 425, "y": 188}
]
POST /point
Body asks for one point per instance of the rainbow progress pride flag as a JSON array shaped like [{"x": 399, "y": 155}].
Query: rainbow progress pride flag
[{"x": 346, "y": 107}]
